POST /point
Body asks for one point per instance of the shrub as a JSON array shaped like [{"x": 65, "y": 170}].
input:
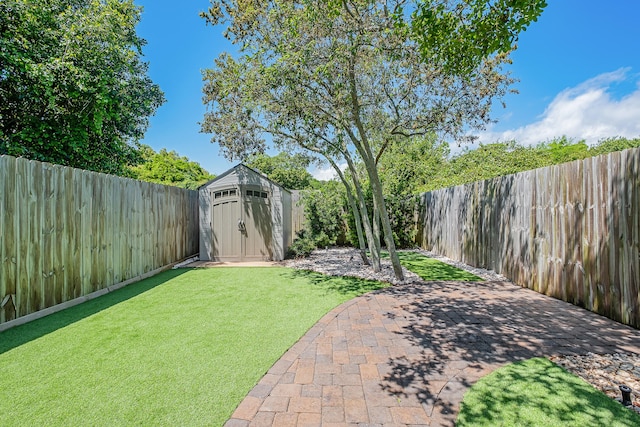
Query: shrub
[{"x": 302, "y": 245}]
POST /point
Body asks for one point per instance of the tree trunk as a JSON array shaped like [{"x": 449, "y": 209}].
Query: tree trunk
[
  {"x": 355, "y": 210},
  {"x": 363, "y": 147},
  {"x": 356, "y": 216},
  {"x": 376, "y": 224},
  {"x": 375, "y": 250},
  {"x": 361, "y": 217},
  {"x": 376, "y": 187},
  {"x": 379, "y": 206}
]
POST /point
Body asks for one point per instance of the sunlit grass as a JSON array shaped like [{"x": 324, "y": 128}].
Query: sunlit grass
[
  {"x": 537, "y": 392},
  {"x": 181, "y": 348},
  {"x": 430, "y": 269}
]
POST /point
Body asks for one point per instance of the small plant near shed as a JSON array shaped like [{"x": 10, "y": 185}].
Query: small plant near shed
[{"x": 302, "y": 246}]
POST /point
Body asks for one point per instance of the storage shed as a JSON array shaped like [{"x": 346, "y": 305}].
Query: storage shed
[{"x": 244, "y": 216}]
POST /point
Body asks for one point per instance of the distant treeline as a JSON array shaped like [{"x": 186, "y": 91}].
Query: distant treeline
[
  {"x": 504, "y": 158},
  {"x": 168, "y": 168}
]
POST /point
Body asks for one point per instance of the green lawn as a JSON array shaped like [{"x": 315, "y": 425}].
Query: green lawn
[
  {"x": 430, "y": 269},
  {"x": 180, "y": 348},
  {"x": 537, "y": 392}
]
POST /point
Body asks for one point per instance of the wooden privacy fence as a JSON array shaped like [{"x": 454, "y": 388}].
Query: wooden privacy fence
[
  {"x": 67, "y": 233},
  {"x": 571, "y": 231}
]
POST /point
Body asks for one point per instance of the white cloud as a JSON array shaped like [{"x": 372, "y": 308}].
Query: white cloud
[
  {"x": 327, "y": 173},
  {"x": 587, "y": 111}
]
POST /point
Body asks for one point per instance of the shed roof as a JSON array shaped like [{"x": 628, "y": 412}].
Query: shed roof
[{"x": 239, "y": 166}]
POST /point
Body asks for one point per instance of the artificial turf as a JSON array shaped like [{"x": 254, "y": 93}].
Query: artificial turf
[
  {"x": 181, "y": 348},
  {"x": 430, "y": 269},
  {"x": 537, "y": 392}
]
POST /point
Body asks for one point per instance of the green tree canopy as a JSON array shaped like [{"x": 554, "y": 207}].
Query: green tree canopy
[
  {"x": 504, "y": 158},
  {"x": 487, "y": 161},
  {"x": 350, "y": 77},
  {"x": 405, "y": 167},
  {"x": 324, "y": 210},
  {"x": 609, "y": 145},
  {"x": 74, "y": 89},
  {"x": 169, "y": 168},
  {"x": 288, "y": 170},
  {"x": 460, "y": 34}
]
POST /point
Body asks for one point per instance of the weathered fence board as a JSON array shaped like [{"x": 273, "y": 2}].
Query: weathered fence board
[
  {"x": 68, "y": 232},
  {"x": 8, "y": 252},
  {"x": 571, "y": 231}
]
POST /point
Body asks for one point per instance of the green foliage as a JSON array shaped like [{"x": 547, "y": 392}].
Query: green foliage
[
  {"x": 504, "y": 158},
  {"x": 486, "y": 162},
  {"x": 325, "y": 210},
  {"x": 562, "y": 150},
  {"x": 401, "y": 210},
  {"x": 169, "y": 168},
  {"x": 316, "y": 71},
  {"x": 537, "y": 392},
  {"x": 325, "y": 218},
  {"x": 461, "y": 34},
  {"x": 610, "y": 145},
  {"x": 302, "y": 245},
  {"x": 345, "y": 75},
  {"x": 286, "y": 169},
  {"x": 400, "y": 207},
  {"x": 404, "y": 167},
  {"x": 73, "y": 87}
]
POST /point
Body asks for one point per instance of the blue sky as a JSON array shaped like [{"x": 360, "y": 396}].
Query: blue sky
[{"x": 578, "y": 69}]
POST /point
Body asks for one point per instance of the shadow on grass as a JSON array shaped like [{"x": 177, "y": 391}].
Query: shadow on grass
[
  {"x": 538, "y": 392},
  {"x": 23, "y": 334},
  {"x": 430, "y": 269},
  {"x": 343, "y": 285}
]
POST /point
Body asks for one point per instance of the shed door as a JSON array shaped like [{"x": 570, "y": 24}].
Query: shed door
[
  {"x": 241, "y": 225},
  {"x": 257, "y": 224},
  {"x": 226, "y": 245}
]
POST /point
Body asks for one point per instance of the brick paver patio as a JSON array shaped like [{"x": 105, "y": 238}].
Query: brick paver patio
[{"x": 405, "y": 355}]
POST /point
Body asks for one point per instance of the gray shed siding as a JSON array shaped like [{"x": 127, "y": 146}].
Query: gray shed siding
[
  {"x": 206, "y": 232},
  {"x": 287, "y": 234}
]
